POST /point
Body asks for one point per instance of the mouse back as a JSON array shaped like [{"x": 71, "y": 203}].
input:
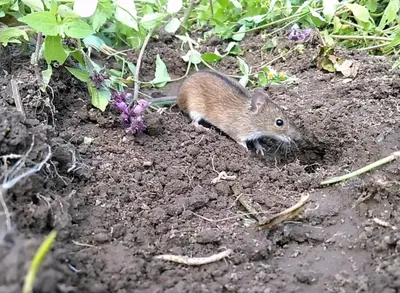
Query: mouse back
[{"x": 212, "y": 93}]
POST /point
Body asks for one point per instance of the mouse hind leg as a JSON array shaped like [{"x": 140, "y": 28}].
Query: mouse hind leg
[{"x": 196, "y": 118}]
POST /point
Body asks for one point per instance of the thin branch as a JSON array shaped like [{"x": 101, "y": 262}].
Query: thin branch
[{"x": 138, "y": 64}]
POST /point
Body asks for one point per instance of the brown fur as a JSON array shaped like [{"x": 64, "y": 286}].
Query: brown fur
[{"x": 226, "y": 104}]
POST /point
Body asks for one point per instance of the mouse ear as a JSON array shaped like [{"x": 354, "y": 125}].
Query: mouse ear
[
  {"x": 257, "y": 101},
  {"x": 259, "y": 90}
]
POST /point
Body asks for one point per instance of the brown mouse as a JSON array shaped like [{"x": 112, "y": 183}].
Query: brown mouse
[{"x": 226, "y": 104}]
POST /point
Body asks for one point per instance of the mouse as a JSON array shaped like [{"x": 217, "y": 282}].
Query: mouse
[{"x": 244, "y": 115}]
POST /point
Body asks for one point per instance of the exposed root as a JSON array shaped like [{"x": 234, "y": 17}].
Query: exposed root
[
  {"x": 11, "y": 177},
  {"x": 194, "y": 261},
  {"x": 221, "y": 175},
  {"x": 384, "y": 223}
]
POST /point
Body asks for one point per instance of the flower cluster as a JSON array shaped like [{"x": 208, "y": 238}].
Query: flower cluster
[
  {"x": 99, "y": 77},
  {"x": 131, "y": 118},
  {"x": 299, "y": 35}
]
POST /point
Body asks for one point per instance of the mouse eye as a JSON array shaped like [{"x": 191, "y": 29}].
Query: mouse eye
[{"x": 279, "y": 122}]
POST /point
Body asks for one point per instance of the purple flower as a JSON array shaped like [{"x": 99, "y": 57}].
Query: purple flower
[
  {"x": 99, "y": 77},
  {"x": 141, "y": 106},
  {"x": 131, "y": 118},
  {"x": 299, "y": 35},
  {"x": 121, "y": 106}
]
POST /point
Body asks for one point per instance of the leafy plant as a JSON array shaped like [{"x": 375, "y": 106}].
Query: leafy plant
[{"x": 71, "y": 29}]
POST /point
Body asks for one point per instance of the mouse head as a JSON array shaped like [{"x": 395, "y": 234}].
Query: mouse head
[{"x": 270, "y": 119}]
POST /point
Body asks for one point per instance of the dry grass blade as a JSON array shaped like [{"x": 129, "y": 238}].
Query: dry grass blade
[
  {"x": 287, "y": 214},
  {"x": 194, "y": 261},
  {"x": 16, "y": 96}
]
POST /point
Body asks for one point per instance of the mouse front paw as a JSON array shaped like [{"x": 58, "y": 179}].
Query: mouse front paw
[{"x": 259, "y": 148}]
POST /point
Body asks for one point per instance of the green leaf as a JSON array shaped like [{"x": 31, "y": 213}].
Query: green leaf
[
  {"x": 35, "y": 5},
  {"x": 244, "y": 68},
  {"x": 125, "y": 13},
  {"x": 233, "y": 49},
  {"x": 316, "y": 14},
  {"x": 329, "y": 8},
  {"x": 372, "y": 5},
  {"x": 262, "y": 79},
  {"x": 244, "y": 80},
  {"x": 47, "y": 3},
  {"x": 94, "y": 41},
  {"x": 237, "y": 4},
  {"x": 99, "y": 19},
  {"x": 240, "y": 36},
  {"x": 44, "y": 22},
  {"x": 85, "y": 8},
  {"x": 80, "y": 74},
  {"x": 211, "y": 57},
  {"x": 173, "y": 6},
  {"x": 389, "y": 14},
  {"x": 2, "y": 14},
  {"x": 4, "y": 2},
  {"x": 46, "y": 75},
  {"x": 360, "y": 13},
  {"x": 100, "y": 98},
  {"x": 193, "y": 57},
  {"x": 328, "y": 39},
  {"x": 11, "y": 35},
  {"x": 79, "y": 57},
  {"x": 392, "y": 44},
  {"x": 64, "y": 11},
  {"x": 77, "y": 28},
  {"x": 131, "y": 67},
  {"x": 149, "y": 21},
  {"x": 337, "y": 24},
  {"x": 172, "y": 25},
  {"x": 53, "y": 50},
  {"x": 15, "y": 6},
  {"x": 161, "y": 77}
]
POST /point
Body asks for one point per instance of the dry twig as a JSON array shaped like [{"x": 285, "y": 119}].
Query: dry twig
[
  {"x": 287, "y": 214},
  {"x": 194, "y": 261},
  {"x": 17, "y": 97}
]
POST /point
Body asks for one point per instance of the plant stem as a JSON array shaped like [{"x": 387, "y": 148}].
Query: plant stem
[
  {"x": 186, "y": 16},
  {"x": 36, "y": 262},
  {"x": 138, "y": 63},
  {"x": 365, "y": 169},
  {"x": 37, "y": 49},
  {"x": 296, "y": 16},
  {"x": 353, "y": 37},
  {"x": 374, "y": 47}
]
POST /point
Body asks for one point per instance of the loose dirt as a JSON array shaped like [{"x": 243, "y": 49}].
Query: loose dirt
[{"x": 118, "y": 200}]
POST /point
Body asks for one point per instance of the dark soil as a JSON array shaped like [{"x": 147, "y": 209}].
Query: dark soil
[{"x": 118, "y": 200}]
